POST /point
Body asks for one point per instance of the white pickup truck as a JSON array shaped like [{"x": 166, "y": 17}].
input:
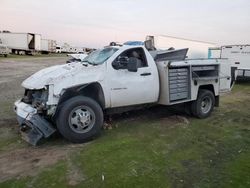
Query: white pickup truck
[{"x": 74, "y": 98}]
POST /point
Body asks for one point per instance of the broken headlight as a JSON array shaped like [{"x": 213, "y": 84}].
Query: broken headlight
[{"x": 36, "y": 98}]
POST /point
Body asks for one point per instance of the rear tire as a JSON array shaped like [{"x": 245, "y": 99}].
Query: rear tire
[
  {"x": 204, "y": 105},
  {"x": 80, "y": 119}
]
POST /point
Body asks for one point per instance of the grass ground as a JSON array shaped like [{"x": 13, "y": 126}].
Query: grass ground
[{"x": 148, "y": 149}]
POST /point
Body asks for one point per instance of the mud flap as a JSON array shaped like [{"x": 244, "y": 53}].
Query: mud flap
[
  {"x": 38, "y": 128},
  {"x": 233, "y": 75}
]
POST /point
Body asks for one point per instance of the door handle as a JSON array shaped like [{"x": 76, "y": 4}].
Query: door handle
[{"x": 146, "y": 74}]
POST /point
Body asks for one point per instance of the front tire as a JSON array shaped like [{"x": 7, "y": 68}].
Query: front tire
[
  {"x": 80, "y": 119},
  {"x": 204, "y": 105}
]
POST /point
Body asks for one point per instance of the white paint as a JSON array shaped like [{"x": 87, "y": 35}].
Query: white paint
[
  {"x": 238, "y": 54},
  {"x": 21, "y": 41},
  {"x": 197, "y": 49},
  {"x": 24, "y": 110},
  {"x": 130, "y": 88},
  {"x": 120, "y": 87}
]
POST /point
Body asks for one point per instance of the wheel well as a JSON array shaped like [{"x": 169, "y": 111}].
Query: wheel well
[
  {"x": 92, "y": 90},
  {"x": 209, "y": 87}
]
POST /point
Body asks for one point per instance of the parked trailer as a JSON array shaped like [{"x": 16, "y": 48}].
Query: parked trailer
[
  {"x": 45, "y": 46},
  {"x": 48, "y": 46},
  {"x": 197, "y": 49},
  {"x": 22, "y": 43},
  {"x": 239, "y": 56},
  {"x": 52, "y": 46},
  {"x": 4, "y": 50}
]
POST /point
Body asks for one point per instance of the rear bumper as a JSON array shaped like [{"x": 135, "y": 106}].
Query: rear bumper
[{"x": 33, "y": 126}]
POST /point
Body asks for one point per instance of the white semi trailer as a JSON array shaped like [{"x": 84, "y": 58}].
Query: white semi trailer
[
  {"x": 48, "y": 46},
  {"x": 22, "y": 43},
  {"x": 197, "y": 49},
  {"x": 4, "y": 50},
  {"x": 239, "y": 56},
  {"x": 45, "y": 46}
]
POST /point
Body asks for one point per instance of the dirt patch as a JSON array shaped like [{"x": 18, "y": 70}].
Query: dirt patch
[
  {"x": 174, "y": 120},
  {"x": 29, "y": 161},
  {"x": 74, "y": 174},
  {"x": 8, "y": 123}
]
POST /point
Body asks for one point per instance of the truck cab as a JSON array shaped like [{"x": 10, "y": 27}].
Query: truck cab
[{"x": 74, "y": 98}]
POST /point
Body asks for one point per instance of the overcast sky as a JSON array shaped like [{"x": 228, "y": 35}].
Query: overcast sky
[{"x": 95, "y": 23}]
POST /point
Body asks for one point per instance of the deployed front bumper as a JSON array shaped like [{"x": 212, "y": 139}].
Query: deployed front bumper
[{"x": 33, "y": 126}]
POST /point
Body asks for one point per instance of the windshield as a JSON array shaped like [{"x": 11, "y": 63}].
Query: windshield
[{"x": 100, "y": 56}]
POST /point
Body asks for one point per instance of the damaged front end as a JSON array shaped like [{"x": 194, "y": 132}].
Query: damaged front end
[{"x": 32, "y": 116}]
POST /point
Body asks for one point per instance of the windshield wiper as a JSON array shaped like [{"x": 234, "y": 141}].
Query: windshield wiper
[
  {"x": 84, "y": 64},
  {"x": 89, "y": 62}
]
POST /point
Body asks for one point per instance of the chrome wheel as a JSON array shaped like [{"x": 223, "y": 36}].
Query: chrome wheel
[
  {"x": 206, "y": 105},
  {"x": 81, "y": 119}
]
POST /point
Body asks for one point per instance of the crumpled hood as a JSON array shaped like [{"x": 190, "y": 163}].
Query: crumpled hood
[{"x": 60, "y": 73}]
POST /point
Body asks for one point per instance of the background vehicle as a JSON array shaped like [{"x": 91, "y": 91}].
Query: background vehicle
[
  {"x": 22, "y": 43},
  {"x": 48, "y": 46},
  {"x": 239, "y": 55},
  {"x": 58, "y": 49},
  {"x": 4, "y": 50},
  {"x": 75, "y": 97}
]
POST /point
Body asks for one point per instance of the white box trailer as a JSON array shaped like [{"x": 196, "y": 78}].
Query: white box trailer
[
  {"x": 37, "y": 44},
  {"x": 52, "y": 46},
  {"x": 22, "y": 43},
  {"x": 48, "y": 46},
  {"x": 4, "y": 50},
  {"x": 45, "y": 46},
  {"x": 197, "y": 49},
  {"x": 239, "y": 56}
]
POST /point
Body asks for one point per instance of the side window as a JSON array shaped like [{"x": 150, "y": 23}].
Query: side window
[{"x": 137, "y": 53}]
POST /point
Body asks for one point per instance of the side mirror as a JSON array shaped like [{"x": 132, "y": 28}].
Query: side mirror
[
  {"x": 116, "y": 64},
  {"x": 120, "y": 63},
  {"x": 132, "y": 64},
  {"x": 123, "y": 59}
]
